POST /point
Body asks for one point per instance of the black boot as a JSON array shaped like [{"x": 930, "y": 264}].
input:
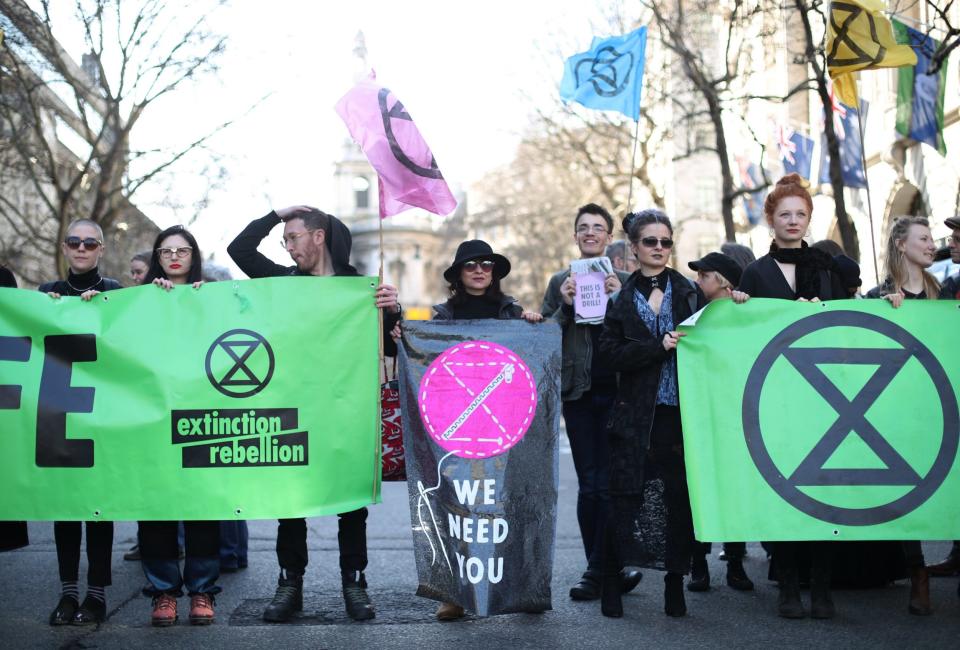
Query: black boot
[
  {"x": 588, "y": 588},
  {"x": 630, "y": 579},
  {"x": 355, "y": 597},
  {"x": 821, "y": 604},
  {"x": 788, "y": 603},
  {"x": 92, "y": 612},
  {"x": 737, "y": 577},
  {"x": 611, "y": 595},
  {"x": 287, "y": 601},
  {"x": 673, "y": 602},
  {"x": 699, "y": 574},
  {"x": 64, "y": 611}
]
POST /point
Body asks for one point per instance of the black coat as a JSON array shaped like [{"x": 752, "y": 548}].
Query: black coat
[{"x": 637, "y": 355}]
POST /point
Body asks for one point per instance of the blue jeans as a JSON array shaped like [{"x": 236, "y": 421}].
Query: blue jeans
[
  {"x": 233, "y": 544},
  {"x": 158, "y": 551},
  {"x": 586, "y": 420}
]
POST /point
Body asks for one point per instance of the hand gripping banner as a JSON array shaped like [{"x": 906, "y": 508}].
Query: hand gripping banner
[
  {"x": 251, "y": 399},
  {"x": 481, "y": 405},
  {"x": 817, "y": 421}
]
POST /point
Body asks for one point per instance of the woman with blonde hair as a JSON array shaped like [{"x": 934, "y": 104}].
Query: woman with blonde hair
[{"x": 910, "y": 250}]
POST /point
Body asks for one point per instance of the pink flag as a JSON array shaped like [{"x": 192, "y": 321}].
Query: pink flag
[{"x": 408, "y": 174}]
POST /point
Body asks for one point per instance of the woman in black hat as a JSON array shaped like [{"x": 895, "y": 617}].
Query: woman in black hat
[{"x": 475, "y": 293}]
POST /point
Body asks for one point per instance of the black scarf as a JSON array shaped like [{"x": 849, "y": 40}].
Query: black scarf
[{"x": 809, "y": 262}]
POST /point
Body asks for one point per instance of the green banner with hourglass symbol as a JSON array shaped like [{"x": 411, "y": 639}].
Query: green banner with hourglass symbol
[
  {"x": 250, "y": 399},
  {"x": 815, "y": 421}
]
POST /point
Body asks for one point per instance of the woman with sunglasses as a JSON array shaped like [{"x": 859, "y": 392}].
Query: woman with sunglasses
[
  {"x": 475, "y": 293},
  {"x": 82, "y": 247},
  {"x": 176, "y": 261},
  {"x": 639, "y": 341},
  {"x": 793, "y": 270}
]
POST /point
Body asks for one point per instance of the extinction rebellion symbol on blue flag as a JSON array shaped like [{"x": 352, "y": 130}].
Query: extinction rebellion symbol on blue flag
[{"x": 609, "y": 76}]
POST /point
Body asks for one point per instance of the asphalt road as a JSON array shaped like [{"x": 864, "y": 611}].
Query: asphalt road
[{"x": 718, "y": 618}]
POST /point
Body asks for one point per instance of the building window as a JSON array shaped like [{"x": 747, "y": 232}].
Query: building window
[{"x": 361, "y": 192}]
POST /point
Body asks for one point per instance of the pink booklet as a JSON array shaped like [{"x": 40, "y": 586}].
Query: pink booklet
[{"x": 590, "y": 301}]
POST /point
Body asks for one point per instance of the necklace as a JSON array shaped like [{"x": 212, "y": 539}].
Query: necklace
[{"x": 99, "y": 280}]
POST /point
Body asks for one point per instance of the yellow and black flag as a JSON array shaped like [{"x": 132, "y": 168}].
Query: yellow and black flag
[{"x": 860, "y": 37}]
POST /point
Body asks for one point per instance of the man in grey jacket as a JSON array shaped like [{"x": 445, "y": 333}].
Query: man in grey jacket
[{"x": 588, "y": 389}]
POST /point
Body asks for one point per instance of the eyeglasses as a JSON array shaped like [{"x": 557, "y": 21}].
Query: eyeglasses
[
  {"x": 89, "y": 243},
  {"x": 651, "y": 242},
  {"x": 596, "y": 229},
  {"x": 291, "y": 239},
  {"x": 180, "y": 252},
  {"x": 484, "y": 265}
]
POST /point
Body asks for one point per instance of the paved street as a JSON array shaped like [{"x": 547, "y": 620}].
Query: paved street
[{"x": 719, "y": 618}]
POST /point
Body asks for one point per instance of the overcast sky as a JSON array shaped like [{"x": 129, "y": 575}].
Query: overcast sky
[{"x": 460, "y": 68}]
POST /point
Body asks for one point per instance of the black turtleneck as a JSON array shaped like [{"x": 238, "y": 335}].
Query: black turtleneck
[
  {"x": 78, "y": 283},
  {"x": 476, "y": 307}
]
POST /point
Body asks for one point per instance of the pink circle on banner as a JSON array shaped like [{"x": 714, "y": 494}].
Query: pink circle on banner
[{"x": 477, "y": 399}]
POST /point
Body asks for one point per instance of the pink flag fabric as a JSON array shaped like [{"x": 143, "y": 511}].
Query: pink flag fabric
[{"x": 407, "y": 171}]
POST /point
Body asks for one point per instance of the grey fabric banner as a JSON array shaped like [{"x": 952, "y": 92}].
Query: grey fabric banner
[{"x": 481, "y": 417}]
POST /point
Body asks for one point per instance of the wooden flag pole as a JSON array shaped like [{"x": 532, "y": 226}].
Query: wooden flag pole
[{"x": 866, "y": 179}]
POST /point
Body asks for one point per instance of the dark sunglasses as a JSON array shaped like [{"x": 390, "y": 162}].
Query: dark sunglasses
[
  {"x": 651, "y": 242},
  {"x": 485, "y": 265},
  {"x": 90, "y": 244}
]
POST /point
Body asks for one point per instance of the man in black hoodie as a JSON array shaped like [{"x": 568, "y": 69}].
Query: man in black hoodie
[{"x": 319, "y": 244}]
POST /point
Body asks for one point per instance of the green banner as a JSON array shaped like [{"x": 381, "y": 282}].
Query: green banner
[
  {"x": 252, "y": 399},
  {"x": 816, "y": 421}
]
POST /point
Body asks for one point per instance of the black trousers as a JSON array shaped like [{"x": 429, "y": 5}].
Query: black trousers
[
  {"x": 586, "y": 420},
  {"x": 665, "y": 459},
  {"x": 351, "y": 537},
  {"x": 913, "y": 553},
  {"x": 786, "y": 555},
  {"x": 68, "y": 535}
]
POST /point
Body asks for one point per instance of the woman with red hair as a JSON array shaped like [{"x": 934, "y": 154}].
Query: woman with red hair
[{"x": 793, "y": 270}]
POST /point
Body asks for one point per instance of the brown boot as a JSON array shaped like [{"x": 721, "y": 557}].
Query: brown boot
[
  {"x": 920, "y": 592},
  {"x": 450, "y": 612}
]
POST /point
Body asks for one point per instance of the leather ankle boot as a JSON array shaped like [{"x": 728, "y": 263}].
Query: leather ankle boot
[
  {"x": 789, "y": 604},
  {"x": 355, "y": 597},
  {"x": 821, "y": 602},
  {"x": 737, "y": 577},
  {"x": 920, "y": 592},
  {"x": 673, "y": 601},
  {"x": 699, "y": 574},
  {"x": 611, "y": 594},
  {"x": 288, "y": 599}
]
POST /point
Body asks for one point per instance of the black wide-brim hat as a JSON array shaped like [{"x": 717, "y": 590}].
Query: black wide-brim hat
[{"x": 476, "y": 249}]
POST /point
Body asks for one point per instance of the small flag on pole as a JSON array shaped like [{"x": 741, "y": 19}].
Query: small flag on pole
[
  {"x": 919, "y": 94},
  {"x": 851, "y": 162},
  {"x": 407, "y": 171},
  {"x": 796, "y": 151},
  {"x": 859, "y": 37},
  {"x": 750, "y": 177},
  {"x": 609, "y": 76}
]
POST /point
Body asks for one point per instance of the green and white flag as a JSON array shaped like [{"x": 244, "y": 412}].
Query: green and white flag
[{"x": 816, "y": 421}]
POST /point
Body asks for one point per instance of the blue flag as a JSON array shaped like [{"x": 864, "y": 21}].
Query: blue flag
[
  {"x": 847, "y": 128},
  {"x": 609, "y": 76},
  {"x": 920, "y": 94},
  {"x": 795, "y": 151},
  {"x": 751, "y": 176}
]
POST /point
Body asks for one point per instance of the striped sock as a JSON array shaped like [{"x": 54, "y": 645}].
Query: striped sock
[
  {"x": 69, "y": 588},
  {"x": 97, "y": 593}
]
